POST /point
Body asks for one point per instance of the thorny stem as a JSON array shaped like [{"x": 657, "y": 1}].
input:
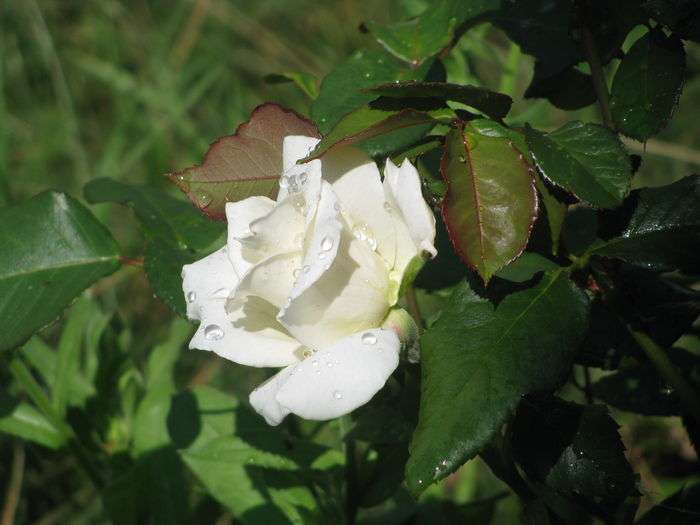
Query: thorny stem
[{"x": 658, "y": 356}]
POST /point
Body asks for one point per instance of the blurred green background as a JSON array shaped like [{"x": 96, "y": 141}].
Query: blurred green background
[{"x": 133, "y": 89}]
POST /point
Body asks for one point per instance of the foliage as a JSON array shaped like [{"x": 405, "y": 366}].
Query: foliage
[{"x": 559, "y": 376}]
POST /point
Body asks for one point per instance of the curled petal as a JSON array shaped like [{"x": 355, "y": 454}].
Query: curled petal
[
  {"x": 352, "y": 294},
  {"x": 403, "y": 188},
  {"x": 356, "y": 181},
  {"x": 250, "y": 335},
  {"x": 270, "y": 280},
  {"x": 331, "y": 382}
]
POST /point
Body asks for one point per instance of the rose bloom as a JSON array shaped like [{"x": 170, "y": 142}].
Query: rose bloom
[{"x": 308, "y": 283}]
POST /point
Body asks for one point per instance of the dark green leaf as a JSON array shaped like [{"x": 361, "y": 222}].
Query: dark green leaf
[
  {"x": 341, "y": 90},
  {"x": 664, "y": 230},
  {"x": 163, "y": 264},
  {"x": 51, "y": 249},
  {"x": 647, "y": 85},
  {"x": 526, "y": 267},
  {"x": 637, "y": 389},
  {"x": 569, "y": 89},
  {"x": 304, "y": 81},
  {"x": 683, "y": 16},
  {"x": 586, "y": 159},
  {"x": 249, "y": 162},
  {"x": 24, "y": 421},
  {"x": 426, "y": 35},
  {"x": 491, "y": 202},
  {"x": 368, "y": 122},
  {"x": 477, "y": 362},
  {"x": 164, "y": 218},
  {"x": 554, "y": 210},
  {"x": 495, "y": 105},
  {"x": 575, "y": 450}
]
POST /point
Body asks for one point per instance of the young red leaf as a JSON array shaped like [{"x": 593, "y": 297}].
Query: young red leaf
[
  {"x": 491, "y": 201},
  {"x": 249, "y": 162}
]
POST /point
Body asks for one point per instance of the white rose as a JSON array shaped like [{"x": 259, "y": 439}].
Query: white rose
[{"x": 306, "y": 282}]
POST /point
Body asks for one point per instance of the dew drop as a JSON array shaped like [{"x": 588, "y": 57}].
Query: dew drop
[
  {"x": 299, "y": 239},
  {"x": 666, "y": 390},
  {"x": 388, "y": 207},
  {"x": 213, "y": 332},
  {"x": 336, "y": 206},
  {"x": 368, "y": 338},
  {"x": 329, "y": 364},
  {"x": 314, "y": 363},
  {"x": 203, "y": 199},
  {"x": 306, "y": 353},
  {"x": 191, "y": 297},
  {"x": 284, "y": 182},
  {"x": 326, "y": 244},
  {"x": 296, "y": 273},
  {"x": 303, "y": 178},
  {"x": 322, "y": 255},
  {"x": 462, "y": 158},
  {"x": 338, "y": 394},
  {"x": 306, "y": 268}
]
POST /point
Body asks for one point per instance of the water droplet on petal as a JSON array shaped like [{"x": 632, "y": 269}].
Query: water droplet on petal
[
  {"x": 296, "y": 273},
  {"x": 314, "y": 362},
  {"x": 306, "y": 268},
  {"x": 306, "y": 353},
  {"x": 213, "y": 332},
  {"x": 284, "y": 182},
  {"x": 336, "y": 206},
  {"x": 322, "y": 255},
  {"x": 191, "y": 297},
  {"x": 338, "y": 394},
  {"x": 368, "y": 338},
  {"x": 326, "y": 244},
  {"x": 299, "y": 239},
  {"x": 388, "y": 207},
  {"x": 303, "y": 178}
]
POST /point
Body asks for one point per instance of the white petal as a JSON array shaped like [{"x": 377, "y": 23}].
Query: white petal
[
  {"x": 402, "y": 185},
  {"x": 322, "y": 243},
  {"x": 349, "y": 296},
  {"x": 295, "y": 147},
  {"x": 253, "y": 337},
  {"x": 357, "y": 183},
  {"x": 279, "y": 230},
  {"x": 239, "y": 215},
  {"x": 263, "y": 399},
  {"x": 271, "y": 280},
  {"x": 337, "y": 380}
]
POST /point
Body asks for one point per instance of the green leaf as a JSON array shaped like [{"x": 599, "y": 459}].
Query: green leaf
[
  {"x": 69, "y": 384},
  {"x": 178, "y": 234},
  {"x": 647, "y": 85},
  {"x": 24, "y": 421},
  {"x": 683, "y": 16},
  {"x": 368, "y": 122},
  {"x": 569, "y": 89},
  {"x": 664, "y": 230},
  {"x": 555, "y": 212},
  {"x": 246, "y": 465},
  {"x": 304, "y": 81},
  {"x": 585, "y": 159},
  {"x": 341, "y": 90},
  {"x": 425, "y": 36},
  {"x": 682, "y": 508},
  {"x": 163, "y": 217},
  {"x": 575, "y": 450},
  {"x": 637, "y": 389},
  {"x": 478, "y": 361},
  {"x": 163, "y": 265},
  {"x": 249, "y": 162},
  {"x": 51, "y": 249},
  {"x": 491, "y": 201},
  {"x": 526, "y": 267},
  {"x": 495, "y": 105}
]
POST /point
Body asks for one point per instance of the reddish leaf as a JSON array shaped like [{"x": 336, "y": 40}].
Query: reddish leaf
[
  {"x": 491, "y": 201},
  {"x": 249, "y": 162}
]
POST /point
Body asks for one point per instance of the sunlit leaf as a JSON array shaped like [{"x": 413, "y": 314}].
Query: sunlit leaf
[
  {"x": 491, "y": 202},
  {"x": 477, "y": 361},
  {"x": 51, "y": 249}
]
